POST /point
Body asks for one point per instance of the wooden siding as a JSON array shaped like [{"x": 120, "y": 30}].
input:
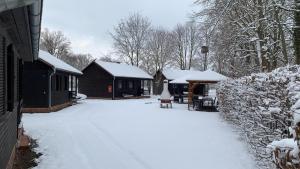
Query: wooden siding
[
  {"x": 14, "y": 31},
  {"x": 8, "y": 136},
  {"x": 8, "y": 119},
  {"x": 95, "y": 82},
  {"x": 61, "y": 95},
  {"x": 36, "y": 76},
  {"x": 135, "y": 90}
]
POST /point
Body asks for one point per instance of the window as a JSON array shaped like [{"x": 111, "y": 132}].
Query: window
[
  {"x": 10, "y": 78},
  {"x": 66, "y": 81},
  {"x": 70, "y": 83},
  {"x": 120, "y": 84},
  {"x": 58, "y": 80},
  {"x": 130, "y": 84},
  {"x": 2, "y": 76}
]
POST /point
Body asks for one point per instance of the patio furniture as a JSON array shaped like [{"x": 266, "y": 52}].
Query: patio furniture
[{"x": 204, "y": 103}]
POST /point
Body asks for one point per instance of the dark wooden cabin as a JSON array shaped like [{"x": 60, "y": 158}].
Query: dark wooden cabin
[
  {"x": 113, "y": 80},
  {"x": 54, "y": 83},
  {"x": 19, "y": 42},
  {"x": 170, "y": 74}
]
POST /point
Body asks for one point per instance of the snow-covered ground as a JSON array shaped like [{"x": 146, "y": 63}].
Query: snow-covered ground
[{"x": 135, "y": 134}]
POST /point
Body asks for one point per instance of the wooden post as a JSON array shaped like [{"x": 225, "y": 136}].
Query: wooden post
[
  {"x": 76, "y": 85},
  {"x": 190, "y": 94}
]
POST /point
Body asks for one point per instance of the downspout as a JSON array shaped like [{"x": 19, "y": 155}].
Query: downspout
[
  {"x": 113, "y": 96},
  {"x": 50, "y": 87}
]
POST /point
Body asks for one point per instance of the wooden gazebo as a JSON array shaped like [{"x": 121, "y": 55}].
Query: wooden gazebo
[
  {"x": 192, "y": 85},
  {"x": 205, "y": 79}
]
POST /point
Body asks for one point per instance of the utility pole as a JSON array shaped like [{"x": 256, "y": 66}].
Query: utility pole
[{"x": 204, "y": 50}]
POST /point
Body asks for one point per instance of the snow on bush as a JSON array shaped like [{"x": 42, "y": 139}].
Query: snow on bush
[{"x": 263, "y": 106}]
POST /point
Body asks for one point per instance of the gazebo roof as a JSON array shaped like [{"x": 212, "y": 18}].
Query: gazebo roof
[{"x": 205, "y": 76}]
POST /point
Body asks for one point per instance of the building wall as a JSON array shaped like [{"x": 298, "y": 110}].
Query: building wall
[
  {"x": 130, "y": 86},
  {"x": 36, "y": 76},
  {"x": 9, "y": 99},
  {"x": 96, "y": 82},
  {"x": 60, "y": 88}
]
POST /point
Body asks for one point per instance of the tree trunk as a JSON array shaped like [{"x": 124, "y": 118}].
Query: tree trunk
[{"x": 297, "y": 32}]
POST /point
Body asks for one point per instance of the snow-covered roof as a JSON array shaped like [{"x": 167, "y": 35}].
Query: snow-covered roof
[
  {"x": 56, "y": 63},
  {"x": 207, "y": 75},
  {"x": 172, "y": 74},
  {"x": 181, "y": 80},
  {"x": 123, "y": 70}
]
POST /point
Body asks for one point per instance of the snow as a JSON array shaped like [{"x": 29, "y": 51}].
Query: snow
[
  {"x": 81, "y": 96},
  {"x": 172, "y": 74},
  {"x": 123, "y": 70},
  {"x": 207, "y": 75},
  {"x": 181, "y": 80},
  {"x": 53, "y": 61},
  {"x": 135, "y": 134},
  {"x": 284, "y": 143}
]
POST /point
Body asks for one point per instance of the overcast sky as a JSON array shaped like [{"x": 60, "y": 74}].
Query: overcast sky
[{"x": 87, "y": 22}]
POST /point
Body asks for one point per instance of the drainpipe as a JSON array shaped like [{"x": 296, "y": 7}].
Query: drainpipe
[
  {"x": 50, "y": 87},
  {"x": 113, "y": 96}
]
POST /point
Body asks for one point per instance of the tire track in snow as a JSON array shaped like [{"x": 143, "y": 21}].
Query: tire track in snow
[
  {"x": 78, "y": 148},
  {"x": 121, "y": 148},
  {"x": 102, "y": 138}
]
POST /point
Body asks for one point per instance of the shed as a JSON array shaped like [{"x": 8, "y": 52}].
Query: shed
[
  {"x": 54, "y": 83},
  {"x": 171, "y": 74},
  {"x": 113, "y": 80},
  {"x": 20, "y": 23}
]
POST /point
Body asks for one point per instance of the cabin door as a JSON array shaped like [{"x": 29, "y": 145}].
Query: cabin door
[{"x": 42, "y": 90}]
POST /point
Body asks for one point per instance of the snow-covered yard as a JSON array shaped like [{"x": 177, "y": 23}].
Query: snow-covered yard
[{"x": 135, "y": 134}]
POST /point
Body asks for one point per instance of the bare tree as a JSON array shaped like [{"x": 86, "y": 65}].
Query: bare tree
[
  {"x": 248, "y": 35},
  {"x": 159, "y": 49},
  {"x": 55, "y": 42},
  {"x": 193, "y": 40},
  {"x": 130, "y": 37},
  {"x": 186, "y": 41},
  {"x": 180, "y": 45},
  {"x": 79, "y": 61}
]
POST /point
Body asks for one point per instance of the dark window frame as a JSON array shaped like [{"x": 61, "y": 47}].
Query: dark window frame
[
  {"x": 4, "y": 61},
  {"x": 120, "y": 84},
  {"x": 58, "y": 83},
  {"x": 66, "y": 83},
  {"x": 10, "y": 77},
  {"x": 130, "y": 84}
]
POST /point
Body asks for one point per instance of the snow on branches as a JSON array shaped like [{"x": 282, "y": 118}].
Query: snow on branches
[{"x": 263, "y": 107}]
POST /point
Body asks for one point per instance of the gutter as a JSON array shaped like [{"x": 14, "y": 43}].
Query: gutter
[
  {"x": 35, "y": 16},
  {"x": 50, "y": 87},
  {"x": 35, "y": 12}
]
